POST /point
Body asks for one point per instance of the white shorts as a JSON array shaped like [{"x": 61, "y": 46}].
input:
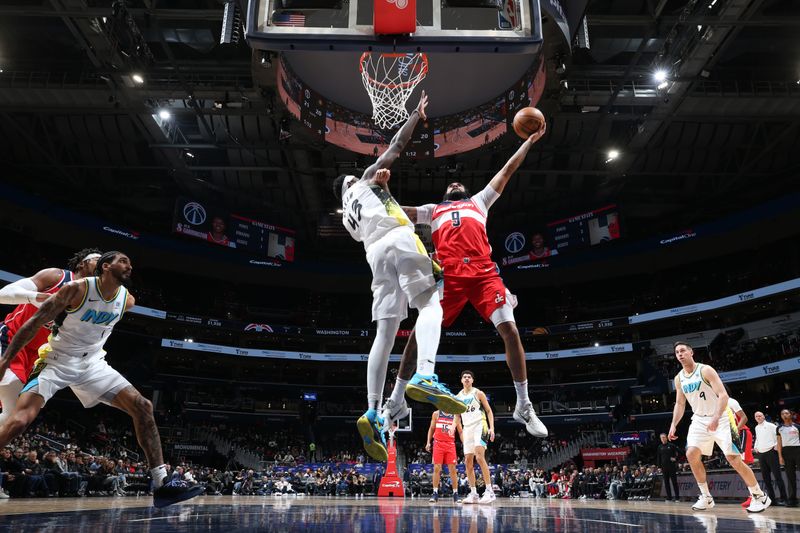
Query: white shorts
[
  {"x": 700, "y": 437},
  {"x": 475, "y": 435},
  {"x": 91, "y": 378},
  {"x": 401, "y": 271},
  {"x": 10, "y": 378}
]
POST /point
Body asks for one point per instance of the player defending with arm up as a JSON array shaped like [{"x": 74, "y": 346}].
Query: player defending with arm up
[
  {"x": 458, "y": 227},
  {"x": 402, "y": 275}
]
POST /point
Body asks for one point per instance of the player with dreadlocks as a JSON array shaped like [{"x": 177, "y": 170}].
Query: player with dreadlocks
[{"x": 28, "y": 294}]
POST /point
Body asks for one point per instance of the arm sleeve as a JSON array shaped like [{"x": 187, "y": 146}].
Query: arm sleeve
[
  {"x": 486, "y": 198},
  {"x": 22, "y": 291},
  {"x": 425, "y": 214}
]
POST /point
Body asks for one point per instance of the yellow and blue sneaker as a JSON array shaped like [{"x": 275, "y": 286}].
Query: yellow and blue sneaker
[
  {"x": 427, "y": 389},
  {"x": 370, "y": 427}
]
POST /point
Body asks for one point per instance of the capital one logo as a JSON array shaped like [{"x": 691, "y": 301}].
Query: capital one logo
[
  {"x": 401, "y": 4},
  {"x": 515, "y": 242},
  {"x": 194, "y": 213}
]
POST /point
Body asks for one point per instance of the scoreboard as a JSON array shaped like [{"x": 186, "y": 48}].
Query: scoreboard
[
  {"x": 584, "y": 230},
  {"x": 420, "y": 146},
  {"x": 313, "y": 112},
  {"x": 220, "y": 228}
]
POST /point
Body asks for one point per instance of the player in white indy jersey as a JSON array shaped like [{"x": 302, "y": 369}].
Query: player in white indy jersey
[
  {"x": 84, "y": 313},
  {"x": 712, "y": 421},
  {"x": 402, "y": 275}
]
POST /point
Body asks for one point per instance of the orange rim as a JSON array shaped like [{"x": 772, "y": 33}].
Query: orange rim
[{"x": 423, "y": 71}]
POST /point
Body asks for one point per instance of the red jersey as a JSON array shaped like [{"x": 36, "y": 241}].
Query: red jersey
[
  {"x": 23, "y": 362},
  {"x": 444, "y": 422},
  {"x": 459, "y": 233}
]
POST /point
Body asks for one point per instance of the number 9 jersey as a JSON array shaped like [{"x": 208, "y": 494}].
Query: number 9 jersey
[{"x": 369, "y": 213}]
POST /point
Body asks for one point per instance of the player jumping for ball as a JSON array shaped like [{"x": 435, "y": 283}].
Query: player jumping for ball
[
  {"x": 402, "y": 274},
  {"x": 458, "y": 226}
]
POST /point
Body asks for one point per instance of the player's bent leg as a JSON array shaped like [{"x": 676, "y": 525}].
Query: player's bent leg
[
  {"x": 140, "y": 410},
  {"x": 28, "y": 407},
  {"x": 759, "y": 501}
]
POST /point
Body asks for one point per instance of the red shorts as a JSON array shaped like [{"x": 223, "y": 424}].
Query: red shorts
[
  {"x": 22, "y": 365},
  {"x": 444, "y": 453},
  {"x": 486, "y": 294}
]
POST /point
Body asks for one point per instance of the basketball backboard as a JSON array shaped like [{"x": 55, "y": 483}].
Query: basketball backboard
[{"x": 490, "y": 26}]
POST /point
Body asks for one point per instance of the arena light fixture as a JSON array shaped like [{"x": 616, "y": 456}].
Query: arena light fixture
[
  {"x": 164, "y": 114},
  {"x": 612, "y": 155},
  {"x": 663, "y": 85},
  {"x": 660, "y": 75},
  {"x": 137, "y": 78},
  {"x": 596, "y": 344},
  {"x": 340, "y": 211}
]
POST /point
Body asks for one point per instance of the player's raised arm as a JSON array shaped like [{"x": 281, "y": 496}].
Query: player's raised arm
[
  {"x": 30, "y": 290},
  {"x": 500, "y": 179},
  {"x": 399, "y": 140},
  {"x": 71, "y": 293}
]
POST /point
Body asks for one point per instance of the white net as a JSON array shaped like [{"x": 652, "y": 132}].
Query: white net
[{"x": 390, "y": 79}]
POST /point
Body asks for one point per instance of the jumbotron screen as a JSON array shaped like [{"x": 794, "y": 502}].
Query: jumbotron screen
[{"x": 220, "y": 228}]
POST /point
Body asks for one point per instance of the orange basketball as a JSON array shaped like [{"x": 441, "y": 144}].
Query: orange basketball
[{"x": 528, "y": 121}]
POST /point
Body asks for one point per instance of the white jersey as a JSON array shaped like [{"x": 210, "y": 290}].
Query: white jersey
[
  {"x": 85, "y": 329},
  {"x": 474, "y": 413},
  {"x": 698, "y": 392},
  {"x": 370, "y": 213}
]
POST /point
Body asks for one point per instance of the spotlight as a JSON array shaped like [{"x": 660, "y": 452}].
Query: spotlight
[
  {"x": 137, "y": 78},
  {"x": 612, "y": 155},
  {"x": 190, "y": 155},
  {"x": 188, "y": 339},
  {"x": 660, "y": 75},
  {"x": 663, "y": 85},
  {"x": 596, "y": 344},
  {"x": 164, "y": 114},
  {"x": 340, "y": 211}
]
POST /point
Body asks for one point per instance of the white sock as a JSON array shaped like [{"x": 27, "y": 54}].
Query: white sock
[
  {"x": 159, "y": 475},
  {"x": 704, "y": 489},
  {"x": 378, "y": 361},
  {"x": 473, "y": 490},
  {"x": 435, "y": 491},
  {"x": 429, "y": 329},
  {"x": 522, "y": 392},
  {"x": 399, "y": 390},
  {"x": 756, "y": 491}
]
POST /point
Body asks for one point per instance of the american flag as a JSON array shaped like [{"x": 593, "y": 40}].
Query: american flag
[{"x": 289, "y": 19}]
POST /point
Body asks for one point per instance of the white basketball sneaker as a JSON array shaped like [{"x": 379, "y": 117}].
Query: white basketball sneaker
[
  {"x": 525, "y": 414},
  {"x": 757, "y": 505},
  {"x": 488, "y": 497},
  {"x": 472, "y": 497},
  {"x": 392, "y": 412},
  {"x": 703, "y": 503}
]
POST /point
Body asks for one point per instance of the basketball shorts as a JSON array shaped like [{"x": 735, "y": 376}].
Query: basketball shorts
[
  {"x": 700, "y": 437},
  {"x": 487, "y": 294},
  {"x": 91, "y": 378},
  {"x": 444, "y": 453},
  {"x": 401, "y": 271},
  {"x": 475, "y": 435},
  {"x": 22, "y": 364}
]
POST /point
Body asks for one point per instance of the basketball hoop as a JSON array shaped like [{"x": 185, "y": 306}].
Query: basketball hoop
[{"x": 390, "y": 79}]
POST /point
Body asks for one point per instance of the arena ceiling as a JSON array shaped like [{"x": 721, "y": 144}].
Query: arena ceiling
[{"x": 720, "y": 136}]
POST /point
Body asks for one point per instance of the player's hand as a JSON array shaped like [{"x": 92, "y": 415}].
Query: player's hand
[
  {"x": 538, "y": 134},
  {"x": 382, "y": 176},
  {"x": 428, "y": 447},
  {"x": 780, "y": 461},
  {"x": 713, "y": 425},
  {"x": 423, "y": 103},
  {"x": 491, "y": 435},
  {"x": 672, "y": 435}
]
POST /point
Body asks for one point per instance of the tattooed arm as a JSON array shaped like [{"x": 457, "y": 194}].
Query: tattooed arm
[{"x": 70, "y": 294}]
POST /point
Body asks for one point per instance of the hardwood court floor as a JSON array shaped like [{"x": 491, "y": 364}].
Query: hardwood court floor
[{"x": 334, "y": 515}]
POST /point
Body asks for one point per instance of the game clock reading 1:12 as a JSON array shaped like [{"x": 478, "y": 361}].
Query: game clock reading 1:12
[
  {"x": 312, "y": 112},
  {"x": 420, "y": 146}
]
